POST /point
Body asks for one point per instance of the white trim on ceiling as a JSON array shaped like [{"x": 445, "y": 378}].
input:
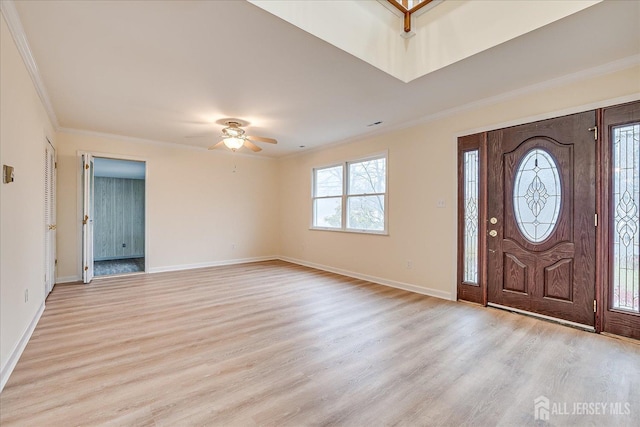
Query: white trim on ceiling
[
  {"x": 600, "y": 70},
  {"x": 10, "y": 13}
]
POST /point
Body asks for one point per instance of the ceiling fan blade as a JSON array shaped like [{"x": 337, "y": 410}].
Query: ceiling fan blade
[
  {"x": 216, "y": 145},
  {"x": 263, "y": 139},
  {"x": 251, "y": 146}
]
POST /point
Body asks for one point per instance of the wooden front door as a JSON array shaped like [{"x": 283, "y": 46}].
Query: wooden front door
[{"x": 541, "y": 217}]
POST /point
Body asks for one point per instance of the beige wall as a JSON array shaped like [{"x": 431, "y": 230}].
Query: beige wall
[
  {"x": 23, "y": 128},
  {"x": 199, "y": 203},
  {"x": 422, "y": 170}
]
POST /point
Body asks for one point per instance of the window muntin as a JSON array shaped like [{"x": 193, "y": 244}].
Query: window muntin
[
  {"x": 351, "y": 196},
  {"x": 626, "y": 220},
  {"x": 470, "y": 241}
]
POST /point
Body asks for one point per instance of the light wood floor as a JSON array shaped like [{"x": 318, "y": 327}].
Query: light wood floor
[{"x": 277, "y": 344}]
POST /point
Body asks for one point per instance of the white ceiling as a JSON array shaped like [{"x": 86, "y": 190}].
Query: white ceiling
[{"x": 168, "y": 70}]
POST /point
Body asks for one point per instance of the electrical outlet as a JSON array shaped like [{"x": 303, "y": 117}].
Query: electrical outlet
[
  {"x": 409, "y": 265},
  {"x": 233, "y": 246},
  {"x": 440, "y": 203},
  {"x": 124, "y": 245}
]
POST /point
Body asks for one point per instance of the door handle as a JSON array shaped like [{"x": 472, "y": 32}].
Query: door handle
[
  {"x": 493, "y": 233},
  {"x": 52, "y": 227}
]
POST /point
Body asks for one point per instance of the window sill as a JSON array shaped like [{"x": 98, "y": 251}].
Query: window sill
[{"x": 339, "y": 230}]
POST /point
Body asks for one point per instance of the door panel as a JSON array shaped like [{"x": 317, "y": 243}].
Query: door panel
[{"x": 541, "y": 192}]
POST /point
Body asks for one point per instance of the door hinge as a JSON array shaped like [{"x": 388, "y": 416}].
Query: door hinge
[
  {"x": 86, "y": 166},
  {"x": 595, "y": 132},
  {"x": 86, "y": 268},
  {"x": 55, "y": 165},
  {"x": 595, "y": 219},
  {"x": 56, "y": 263},
  {"x": 595, "y": 306}
]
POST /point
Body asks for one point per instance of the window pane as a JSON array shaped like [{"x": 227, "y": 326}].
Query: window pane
[
  {"x": 470, "y": 274},
  {"x": 626, "y": 197},
  {"x": 537, "y": 195},
  {"x": 368, "y": 177},
  {"x": 327, "y": 212},
  {"x": 328, "y": 182},
  {"x": 365, "y": 213}
]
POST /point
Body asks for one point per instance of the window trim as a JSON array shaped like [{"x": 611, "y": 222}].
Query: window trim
[{"x": 344, "y": 197}]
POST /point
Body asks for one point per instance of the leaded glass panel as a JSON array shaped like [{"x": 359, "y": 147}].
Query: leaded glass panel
[
  {"x": 537, "y": 195},
  {"x": 470, "y": 274},
  {"x": 626, "y": 196}
]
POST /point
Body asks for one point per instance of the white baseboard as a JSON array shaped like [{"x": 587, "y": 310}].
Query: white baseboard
[
  {"x": 7, "y": 369},
  {"x": 68, "y": 279},
  {"x": 379, "y": 280},
  {"x": 211, "y": 264}
]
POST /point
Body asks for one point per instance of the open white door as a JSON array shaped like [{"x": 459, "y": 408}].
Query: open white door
[{"x": 87, "y": 218}]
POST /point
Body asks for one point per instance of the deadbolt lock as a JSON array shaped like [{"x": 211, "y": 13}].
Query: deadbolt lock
[
  {"x": 493, "y": 220},
  {"x": 493, "y": 233}
]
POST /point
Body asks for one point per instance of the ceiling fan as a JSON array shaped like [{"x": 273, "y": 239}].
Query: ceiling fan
[{"x": 233, "y": 137}]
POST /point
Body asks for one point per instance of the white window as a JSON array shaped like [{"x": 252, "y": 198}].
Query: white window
[{"x": 351, "y": 196}]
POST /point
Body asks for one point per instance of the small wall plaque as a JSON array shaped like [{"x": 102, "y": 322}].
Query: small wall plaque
[{"x": 7, "y": 174}]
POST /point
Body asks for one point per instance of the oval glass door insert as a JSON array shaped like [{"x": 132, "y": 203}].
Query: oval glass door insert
[{"x": 537, "y": 195}]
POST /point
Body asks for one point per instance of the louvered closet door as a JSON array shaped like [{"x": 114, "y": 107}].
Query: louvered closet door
[{"x": 49, "y": 216}]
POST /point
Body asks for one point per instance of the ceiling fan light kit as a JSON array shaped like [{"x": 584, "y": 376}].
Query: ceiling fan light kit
[
  {"x": 234, "y": 138},
  {"x": 233, "y": 143}
]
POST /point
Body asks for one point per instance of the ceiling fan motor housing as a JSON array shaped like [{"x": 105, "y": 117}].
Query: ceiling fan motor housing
[{"x": 233, "y": 129}]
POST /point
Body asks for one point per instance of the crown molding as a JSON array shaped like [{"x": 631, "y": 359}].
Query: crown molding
[
  {"x": 10, "y": 13},
  {"x": 599, "y": 70}
]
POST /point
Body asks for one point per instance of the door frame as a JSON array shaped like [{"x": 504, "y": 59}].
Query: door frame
[
  {"x": 80, "y": 203},
  {"x": 88, "y": 173},
  {"x": 605, "y": 190},
  {"x": 601, "y": 271}
]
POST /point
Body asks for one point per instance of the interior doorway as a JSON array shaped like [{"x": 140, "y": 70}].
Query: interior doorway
[{"x": 113, "y": 217}]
